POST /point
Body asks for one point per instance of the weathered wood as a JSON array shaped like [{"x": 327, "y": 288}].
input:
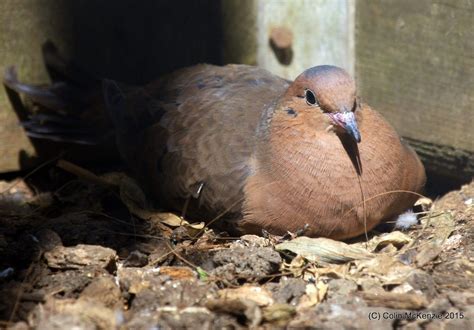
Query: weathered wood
[
  {"x": 445, "y": 160},
  {"x": 415, "y": 64},
  {"x": 129, "y": 41},
  {"x": 323, "y": 33}
]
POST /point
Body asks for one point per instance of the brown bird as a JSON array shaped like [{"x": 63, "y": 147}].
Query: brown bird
[
  {"x": 271, "y": 154},
  {"x": 264, "y": 152}
]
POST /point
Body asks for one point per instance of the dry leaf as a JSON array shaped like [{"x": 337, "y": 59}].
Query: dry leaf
[
  {"x": 278, "y": 313},
  {"x": 388, "y": 269},
  {"x": 324, "y": 250},
  {"x": 178, "y": 273},
  {"x": 259, "y": 295},
  {"x": 425, "y": 203},
  {"x": 315, "y": 293},
  {"x": 395, "y": 238},
  {"x": 296, "y": 266}
]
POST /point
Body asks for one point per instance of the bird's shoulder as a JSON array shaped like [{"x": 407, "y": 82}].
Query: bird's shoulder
[{"x": 207, "y": 129}]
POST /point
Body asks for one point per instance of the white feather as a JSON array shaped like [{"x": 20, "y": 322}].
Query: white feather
[{"x": 406, "y": 220}]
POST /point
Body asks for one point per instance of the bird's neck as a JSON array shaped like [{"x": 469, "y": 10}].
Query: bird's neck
[
  {"x": 284, "y": 139},
  {"x": 286, "y": 151}
]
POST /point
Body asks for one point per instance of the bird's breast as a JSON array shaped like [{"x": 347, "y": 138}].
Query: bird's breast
[{"x": 314, "y": 180}]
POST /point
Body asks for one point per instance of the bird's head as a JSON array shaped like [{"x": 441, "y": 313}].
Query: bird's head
[{"x": 327, "y": 92}]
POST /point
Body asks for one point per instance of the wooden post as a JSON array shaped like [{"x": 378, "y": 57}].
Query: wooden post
[
  {"x": 415, "y": 65},
  {"x": 322, "y": 33}
]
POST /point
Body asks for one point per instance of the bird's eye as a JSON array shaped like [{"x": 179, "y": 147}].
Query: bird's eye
[{"x": 310, "y": 97}]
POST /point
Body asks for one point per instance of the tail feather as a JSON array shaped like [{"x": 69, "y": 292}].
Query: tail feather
[
  {"x": 59, "y": 96},
  {"x": 44, "y": 96},
  {"x": 69, "y": 110},
  {"x": 70, "y": 138},
  {"x": 62, "y": 129}
]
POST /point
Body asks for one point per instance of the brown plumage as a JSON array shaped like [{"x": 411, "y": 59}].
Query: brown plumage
[
  {"x": 265, "y": 152},
  {"x": 271, "y": 154}
]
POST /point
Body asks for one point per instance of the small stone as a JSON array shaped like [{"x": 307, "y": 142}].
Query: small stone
[
  {"x": 136, "y": 259},
  {"x": 81, "y": 256},
  {"x": 251, "y": 262},
  {"x": 48, "y": 239},
  {"x": 104, "y": 290}
]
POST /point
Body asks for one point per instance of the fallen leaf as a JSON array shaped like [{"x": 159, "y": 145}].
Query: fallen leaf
[
  {"x": 387, "y": 268},
  {"x": 178, "y": 273},
  {"x": 259, "y": 295},
  {"x": 315, "y": 293},
  {"x": 425, "y": 203},
  {"x": 395, "y": 238},
  {"x": 278, "y": 313},
  {"x": 324, "y": 250}
]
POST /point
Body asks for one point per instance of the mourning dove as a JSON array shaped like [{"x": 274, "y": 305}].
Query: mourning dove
[
  {"x": 268, "y": 153},
  {"x": 261, "y": 152}
]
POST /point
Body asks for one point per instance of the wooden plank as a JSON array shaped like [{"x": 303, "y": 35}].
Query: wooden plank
[
  {"x": 415, "y": 64},
  {"x": 132, "y": 42},
  {"x": 323, "y": 33}
]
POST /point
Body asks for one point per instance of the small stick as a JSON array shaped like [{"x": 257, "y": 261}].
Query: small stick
[
  {"x": 382, "y": 194},
  {"x": 82, "y": 173}
]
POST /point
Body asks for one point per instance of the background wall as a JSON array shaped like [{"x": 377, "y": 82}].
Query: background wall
[
  {"x": 412, "y": 59},
  {"x": 131, "y": 41},
  {"x": 415, "y": 64},
  {"x": 322, "y": 32}
]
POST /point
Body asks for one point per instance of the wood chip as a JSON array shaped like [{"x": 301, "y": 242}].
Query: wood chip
[{"x": 178, "y": 273}]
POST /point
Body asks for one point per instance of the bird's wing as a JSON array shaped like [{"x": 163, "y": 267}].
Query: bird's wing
[{"x": 205, "y": 119}]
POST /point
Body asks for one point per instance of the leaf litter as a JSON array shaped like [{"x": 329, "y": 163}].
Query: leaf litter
[{"x": 151, "y": 268}]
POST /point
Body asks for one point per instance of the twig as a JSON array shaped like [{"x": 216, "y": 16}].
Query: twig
[{"x": 82, "y": 173}]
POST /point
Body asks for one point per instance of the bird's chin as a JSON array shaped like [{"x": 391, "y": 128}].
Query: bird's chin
[
  {"x": 336, "y": 130},
  {"x": 330, "y": 128},
  {"x": 339, "y": 130}
]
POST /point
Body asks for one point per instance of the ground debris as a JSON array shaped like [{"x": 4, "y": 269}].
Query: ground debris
[
  {"x": 81, "y": 256},
  {"x": 395, "y": 300},
  {"x": 250, "y": 263},
  {"x": 323, "y": 250},
  {"x": 91, "y": 253}
]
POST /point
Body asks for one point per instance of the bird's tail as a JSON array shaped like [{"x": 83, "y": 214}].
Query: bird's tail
[{"x": 71, "y": 109}]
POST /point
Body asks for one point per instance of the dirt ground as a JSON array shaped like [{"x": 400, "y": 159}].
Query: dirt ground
[{"x": 84, "y": 253}]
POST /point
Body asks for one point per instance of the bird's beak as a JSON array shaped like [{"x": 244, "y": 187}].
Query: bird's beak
[{"x": 347, "y": 121}]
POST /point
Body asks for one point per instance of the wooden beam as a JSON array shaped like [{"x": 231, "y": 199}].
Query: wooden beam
[{"x": 415, "y": 65}]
